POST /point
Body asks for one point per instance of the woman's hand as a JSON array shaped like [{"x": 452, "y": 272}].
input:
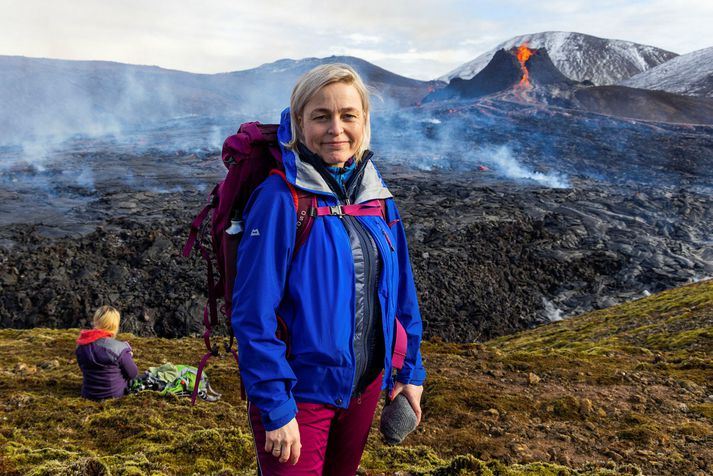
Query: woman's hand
[
  {"x": 412, "y": 394},
  {"x": 284, "y": 443}
]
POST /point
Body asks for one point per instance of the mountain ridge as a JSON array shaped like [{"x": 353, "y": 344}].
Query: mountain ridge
[{"x": 46, "y": 98}]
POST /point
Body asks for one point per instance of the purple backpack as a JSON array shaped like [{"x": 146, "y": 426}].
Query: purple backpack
[{"x": 251, "y": 155}]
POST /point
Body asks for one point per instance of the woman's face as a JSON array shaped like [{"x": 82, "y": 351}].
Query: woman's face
[{"x": 333, "y": 123}]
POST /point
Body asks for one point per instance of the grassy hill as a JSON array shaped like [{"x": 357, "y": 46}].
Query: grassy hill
[{"x": 626, "y": 390}]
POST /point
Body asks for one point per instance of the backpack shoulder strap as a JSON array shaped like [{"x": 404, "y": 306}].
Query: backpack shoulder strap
[{"x": 304, "y": 203}]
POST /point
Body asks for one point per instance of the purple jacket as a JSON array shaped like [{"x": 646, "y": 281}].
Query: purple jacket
[{"x": 107, "y": 366}]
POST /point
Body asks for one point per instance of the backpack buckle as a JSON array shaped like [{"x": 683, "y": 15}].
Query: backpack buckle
[{"x": 336, "y": 210}]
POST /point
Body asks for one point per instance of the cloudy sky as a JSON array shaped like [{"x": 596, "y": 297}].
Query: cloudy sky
[{"x": 422, "y": 39}]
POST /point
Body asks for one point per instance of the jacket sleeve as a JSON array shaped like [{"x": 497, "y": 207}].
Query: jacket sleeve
[
  {"x": 407, "y": 311},
  {"x": 264, "y": 257},
  {"x": 127, "y": 364}
]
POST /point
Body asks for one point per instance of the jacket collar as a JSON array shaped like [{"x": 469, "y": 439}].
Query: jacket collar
[
  {"x": 89, "y": 336},
  {"x": 303, "y": 175}
]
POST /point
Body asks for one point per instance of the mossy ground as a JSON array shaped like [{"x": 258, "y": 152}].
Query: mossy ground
[{"x": 620, "y": 391}]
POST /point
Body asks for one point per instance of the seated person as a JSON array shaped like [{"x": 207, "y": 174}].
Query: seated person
[{"x": 107, "y": 364}]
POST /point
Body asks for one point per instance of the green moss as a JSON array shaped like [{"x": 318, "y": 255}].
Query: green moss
[
  {"x": 643, "y": 434},
  {"x": 130, "y": 471},
  {"x": 694, "y": 429},
  {"x": 210, "y": 444},
  {"x": 471, "y": 466},
  {"x": 83, "y": 466},
  {"x": 464, "y": 465},
  {"x": 639, "y": 429},
  {"x": 136, "y": 463},
  {"x": 401, "y": 458},
  {"x": 21, "y": 455},
  {"x": 112, "y": 427},
  {"x": 538, "y": 469},
  {"x": 704, "y": 409},
  {"x": 565, "y": 407},
  {"x": 645, "y": 323},
  {"x": 683, "y": 339},
  {"x": 590, "y": 371}
]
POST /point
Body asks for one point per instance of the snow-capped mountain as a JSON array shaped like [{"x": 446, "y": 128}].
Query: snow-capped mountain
[
  {"x": 502, "y": 79},
  {"x": 690, "y": 74},
  {"x": 580, "y": 57}
]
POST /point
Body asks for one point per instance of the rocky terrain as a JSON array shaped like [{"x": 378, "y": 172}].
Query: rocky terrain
[
  {"x": 511, "y": 226},
  {"x": 489, "y": 258}
]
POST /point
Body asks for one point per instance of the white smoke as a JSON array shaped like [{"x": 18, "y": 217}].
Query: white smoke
[
  {"x": 501, "y": 160},
  {"x": 551, "y": 311},
  {"x": 435, "y": 140},
  {"x": 85, "y": 179}
]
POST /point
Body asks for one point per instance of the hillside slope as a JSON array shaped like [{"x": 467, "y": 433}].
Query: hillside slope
[
  {"x": 690, "y": 74},
  {"x": 617, "y": 391}
]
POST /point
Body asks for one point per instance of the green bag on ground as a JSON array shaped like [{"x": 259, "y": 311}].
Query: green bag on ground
[{"x": 175, "y": 379}]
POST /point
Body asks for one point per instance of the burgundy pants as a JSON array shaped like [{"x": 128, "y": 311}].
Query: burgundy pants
[{"x": 332, "y": 439}]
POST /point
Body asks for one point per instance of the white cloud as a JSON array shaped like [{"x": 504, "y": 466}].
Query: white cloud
[
  {"x": 359, "y": 39},
  {"x": 419, "y": 38}
]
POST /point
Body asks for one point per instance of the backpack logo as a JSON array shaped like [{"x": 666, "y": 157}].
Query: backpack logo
[{"x": 255, "y": 232}]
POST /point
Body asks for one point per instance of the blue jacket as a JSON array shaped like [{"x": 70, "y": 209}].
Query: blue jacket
[{"x": 312, "y": 292}]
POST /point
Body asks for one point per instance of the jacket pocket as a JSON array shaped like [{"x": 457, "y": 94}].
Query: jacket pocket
[{"x": 388, "y": 240}]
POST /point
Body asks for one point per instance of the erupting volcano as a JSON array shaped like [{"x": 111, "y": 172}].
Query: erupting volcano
[
  {"x": 509, "y": 70},
  {"x": 523, "y": 54}
]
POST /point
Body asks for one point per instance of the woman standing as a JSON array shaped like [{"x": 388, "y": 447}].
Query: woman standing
[
  {"x": 312, "y": 395},
  {"x": 107, "y": 364}
]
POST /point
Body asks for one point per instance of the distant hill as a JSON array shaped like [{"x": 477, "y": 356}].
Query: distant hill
[
  {"x": 624, "y": 390},
  {"x": 386, "y": 84},
  {"x": 578, "y": 56},
  {"x": 45, "y": 97},
  {"x": 690, "y": 74},
  {"x": 659, "y": 106}
]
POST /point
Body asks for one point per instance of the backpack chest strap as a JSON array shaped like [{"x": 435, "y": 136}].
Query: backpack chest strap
[{"x": 372, "y": 208}]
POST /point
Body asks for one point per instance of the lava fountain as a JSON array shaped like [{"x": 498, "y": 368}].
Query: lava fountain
[{"x": 523, "y": 54}]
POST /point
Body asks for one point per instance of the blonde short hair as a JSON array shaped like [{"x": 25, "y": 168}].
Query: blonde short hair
[
  {"x": 314, "y": 80},
  {"x": 107, "y": 318}
]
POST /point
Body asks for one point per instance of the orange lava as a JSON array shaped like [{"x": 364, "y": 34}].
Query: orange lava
[{"x": 523, "y": 54}]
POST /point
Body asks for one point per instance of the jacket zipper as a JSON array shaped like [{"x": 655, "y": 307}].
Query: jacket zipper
[
  {"x": 343, "y": 197},
  {"x": 367, "y": 245}
]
